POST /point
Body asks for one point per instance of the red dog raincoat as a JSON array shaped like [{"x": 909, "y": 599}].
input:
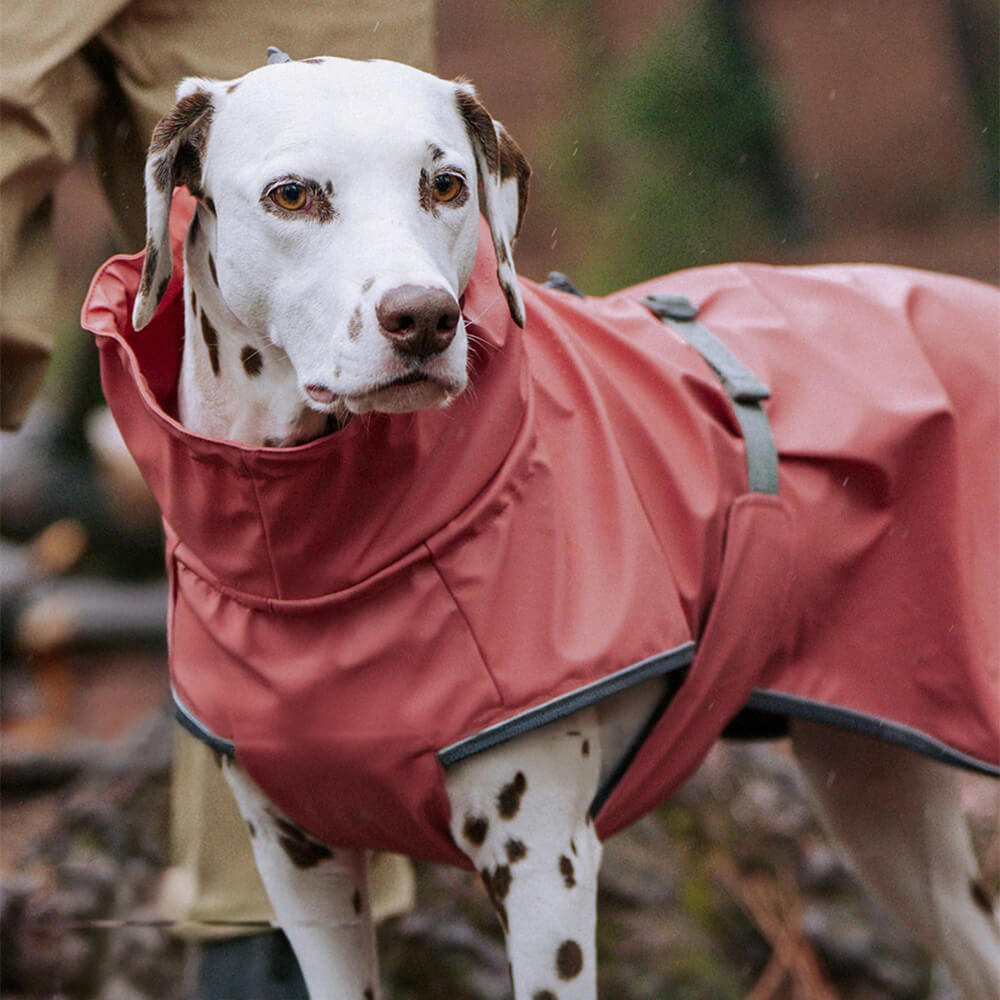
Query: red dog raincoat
[{"x": 354, "y": 615}]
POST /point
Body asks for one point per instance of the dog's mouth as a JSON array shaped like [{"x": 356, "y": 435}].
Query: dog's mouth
[
  {"x": 414, "y": 390},
  {"x": 411, "y": 378}
]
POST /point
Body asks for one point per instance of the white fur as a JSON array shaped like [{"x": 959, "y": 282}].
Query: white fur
[{"x": 289, "y": 287}]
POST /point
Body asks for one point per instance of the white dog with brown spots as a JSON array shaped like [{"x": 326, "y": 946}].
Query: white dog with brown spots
[{"x": 353, "y": 187}]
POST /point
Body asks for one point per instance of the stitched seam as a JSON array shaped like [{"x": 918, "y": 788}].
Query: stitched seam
[
  {"x": 263, "y": 528},
  {"x": 468, "y": 624}
]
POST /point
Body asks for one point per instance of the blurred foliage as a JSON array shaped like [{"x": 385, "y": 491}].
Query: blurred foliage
[
  {"x": 977, "y": 27},
  {"x": 679, "y": 165}
]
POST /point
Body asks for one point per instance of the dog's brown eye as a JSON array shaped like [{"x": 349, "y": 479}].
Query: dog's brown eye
[
  {"x": 447, "y": 187},
  {"x": 291, "y": 196}
]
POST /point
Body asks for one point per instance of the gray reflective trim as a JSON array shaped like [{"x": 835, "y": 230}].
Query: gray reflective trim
[
  {"x": 567, "y": 704},
  {"x": 196, "y": 728},
  {"x": 869, "y": 725},
  {"x": 744, "y": 389}
]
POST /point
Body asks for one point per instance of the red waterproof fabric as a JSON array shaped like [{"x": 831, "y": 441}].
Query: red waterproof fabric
[{"x": 344, "y": 610}]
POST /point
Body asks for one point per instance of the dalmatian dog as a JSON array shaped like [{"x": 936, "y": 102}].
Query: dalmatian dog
[{"x": 356, "y": 190}]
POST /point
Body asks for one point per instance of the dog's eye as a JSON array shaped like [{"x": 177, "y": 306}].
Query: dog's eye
[
  {"x": 290, "y": 196},
  {"x": 447, "y": 187}
]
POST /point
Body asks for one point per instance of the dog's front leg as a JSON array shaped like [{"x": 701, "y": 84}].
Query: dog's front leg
[
  {"x": 320, "y": 897},
  {"x": 521, "y": 813}
]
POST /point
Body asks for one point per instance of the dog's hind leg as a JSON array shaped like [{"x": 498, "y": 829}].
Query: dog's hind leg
[
  {"x": 320, "y": 897},
  {"x": 520, "y": 812},
  {"x": 899, "y": 819}
]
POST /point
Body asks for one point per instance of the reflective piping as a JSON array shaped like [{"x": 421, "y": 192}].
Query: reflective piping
[
  {"x": 567, "y": 704},
  {"x": 198, "y": 729},
  {"x": 869, "y": 725}
]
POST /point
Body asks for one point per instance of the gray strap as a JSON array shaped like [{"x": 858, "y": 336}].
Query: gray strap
[
  {"x": 561, "y": 283},
  {"x": 743, "y": 387}
]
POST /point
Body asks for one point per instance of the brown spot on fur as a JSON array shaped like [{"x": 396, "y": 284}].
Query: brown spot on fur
[
  {"x": 567, "y": 872},
  {"x": 544, "y": 995},
  {"x": 369, "y": 994},
  {"x": 232, "y": 87},
  {"x": 253, "y": 363},
  {"x": 149, "y": 267},
  {"x": 179, "y": 119},
  {"x": 272, "y": 442},
  {"x": 572, "y": 845},
  {"x": 356, "y": 900},
  {"x": 586, "y": 748},
  {"x": 436, "y": 152},
  {"x": 314, "y": 61},
  {"x": 981, "y": 897},
  {"x": 569, "y": 960},
  {"x": 354, "y": 324},
  {"x": 479, "y": 125},
  {"x": 194, "y": 302},
  {"x": 211, "y": 337},
  {"x": 509, "y": 799},
  {"x": 497, "y": 901},
  {"x": 212, "y": 271},
  {"x": 251, "y": 828},
  {"x": 302, "y": 851},
  {"x": 516, "y": 850},
  {"x": 475, "y": 829},
  {"x": 367, "y": 286},
  {"x": 502, "y": 879},
  {"x": 163, "y": 174}
]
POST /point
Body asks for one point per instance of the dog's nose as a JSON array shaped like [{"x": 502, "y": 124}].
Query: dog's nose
[{"x": 419, "y": 321}]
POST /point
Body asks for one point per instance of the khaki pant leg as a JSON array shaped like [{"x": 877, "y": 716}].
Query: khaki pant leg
[
  {"x": 154, "y": 43},
  {"x": 214, "y": 887},
  {"x": 48, "y": 94}
]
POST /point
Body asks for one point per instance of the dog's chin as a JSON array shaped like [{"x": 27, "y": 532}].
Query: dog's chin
[{"x": 404, "y": 397}]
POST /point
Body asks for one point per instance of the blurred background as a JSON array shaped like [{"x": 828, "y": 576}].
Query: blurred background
[{"x": 662, "y": 136}]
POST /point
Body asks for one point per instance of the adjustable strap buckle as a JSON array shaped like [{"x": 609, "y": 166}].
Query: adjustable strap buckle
[{"x": 744, "y": 389}]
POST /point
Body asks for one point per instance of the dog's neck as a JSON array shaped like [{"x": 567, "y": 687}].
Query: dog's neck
[{"x": 234, "y": 383}]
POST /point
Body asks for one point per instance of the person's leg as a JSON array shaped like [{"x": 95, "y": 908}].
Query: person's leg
[{"x": 49, "y": 95}]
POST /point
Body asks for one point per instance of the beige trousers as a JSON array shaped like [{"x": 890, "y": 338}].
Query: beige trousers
[{"x": 105, "y": 71}]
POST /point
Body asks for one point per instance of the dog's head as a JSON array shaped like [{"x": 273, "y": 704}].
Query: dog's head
[{"x": 340, "y": 201}]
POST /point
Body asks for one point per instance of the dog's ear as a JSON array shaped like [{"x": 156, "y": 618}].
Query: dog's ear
[
  {"x": 176, "y": 154},
  {"x": 503, "y": 174}
]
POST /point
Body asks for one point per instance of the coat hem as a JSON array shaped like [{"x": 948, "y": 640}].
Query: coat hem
[
  {"x": 558, "y": 708},
  {"x": 198, "y": 729},
  {"x": 792, "y": 705}
]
